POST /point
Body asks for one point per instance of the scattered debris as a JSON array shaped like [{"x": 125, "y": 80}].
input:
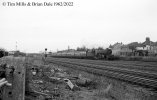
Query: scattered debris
[
  {"x": 70, "y": 84},
  {"x": 60, "y": 75},
  {"x": 38, "y": 81},
  {"x": 55, "y": 78},
  {"x": 53, "y": 83}
]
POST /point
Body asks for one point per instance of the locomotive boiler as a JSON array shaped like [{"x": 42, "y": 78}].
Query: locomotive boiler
[{"x": 88, "y": 54}]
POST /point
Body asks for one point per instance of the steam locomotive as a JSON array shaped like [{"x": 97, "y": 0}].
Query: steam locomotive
[{"x": 88, "y": 54}]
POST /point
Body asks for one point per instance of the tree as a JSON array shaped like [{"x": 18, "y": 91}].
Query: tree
[
  {"x": 100, "y": 48},
  {"x": 83, "y": 48}
]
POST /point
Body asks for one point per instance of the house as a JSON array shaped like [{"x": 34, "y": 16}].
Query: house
[
  {"x": 126, "y": 51},
  {"x": 149, "y": 46},
  {"x": 116, "y": 48},
  {"x": 119, "y": 49}
]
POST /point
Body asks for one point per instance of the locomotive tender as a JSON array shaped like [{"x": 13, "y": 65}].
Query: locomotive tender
[{"x": 88, "y": 54}]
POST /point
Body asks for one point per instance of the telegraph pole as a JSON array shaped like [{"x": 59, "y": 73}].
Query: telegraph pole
[
  {"x": 45, "y": 52},
  {"x": 45, "y": 55},
  {"x": 16, "y": 46}
]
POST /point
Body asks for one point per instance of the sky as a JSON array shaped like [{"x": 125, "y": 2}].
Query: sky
[{"x": 91, "y": 23}]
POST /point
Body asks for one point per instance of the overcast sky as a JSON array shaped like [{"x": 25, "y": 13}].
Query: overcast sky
[{"x": 89, "y": 22}]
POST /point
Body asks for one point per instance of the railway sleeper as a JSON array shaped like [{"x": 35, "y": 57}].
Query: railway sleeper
[{"x": 133, "y": 79}]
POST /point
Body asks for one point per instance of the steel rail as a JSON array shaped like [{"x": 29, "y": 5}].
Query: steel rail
[
  {"x": 123, "y": 70},
  {"x": 125, "y": 76},
  {"x": 121, "y": 65},
  {"x": 134, "y": 63}
]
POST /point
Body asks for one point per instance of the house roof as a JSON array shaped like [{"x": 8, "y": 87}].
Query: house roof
[
  {"x": 134, "y": 44},
  {"x": 115, "y": 45},
  {"x": 146, "y": 42}
]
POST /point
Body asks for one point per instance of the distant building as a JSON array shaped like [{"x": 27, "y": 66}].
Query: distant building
[
  {"x": 126, "y": 51},
  {"x": 116, "y": 48},
  {"x": 135, "y": 49},
  {"x": 119, "y": 49},
  {"x": 148, "y": 45},
  {"x": 11, "y": 52}
]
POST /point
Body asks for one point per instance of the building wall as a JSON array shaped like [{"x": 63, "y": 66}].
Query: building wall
[
  {"x": 125, "y": 51},
  {"x": 116, "y": 49},
  {"x": 121, "y": 50},
  {"x": 152, "y": 50}
]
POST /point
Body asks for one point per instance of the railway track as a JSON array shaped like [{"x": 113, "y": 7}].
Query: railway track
[
  {"x": 143, "y": 78},
  {"x": 113, "y": 68},
  {"x": 121, "y": 64}
]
